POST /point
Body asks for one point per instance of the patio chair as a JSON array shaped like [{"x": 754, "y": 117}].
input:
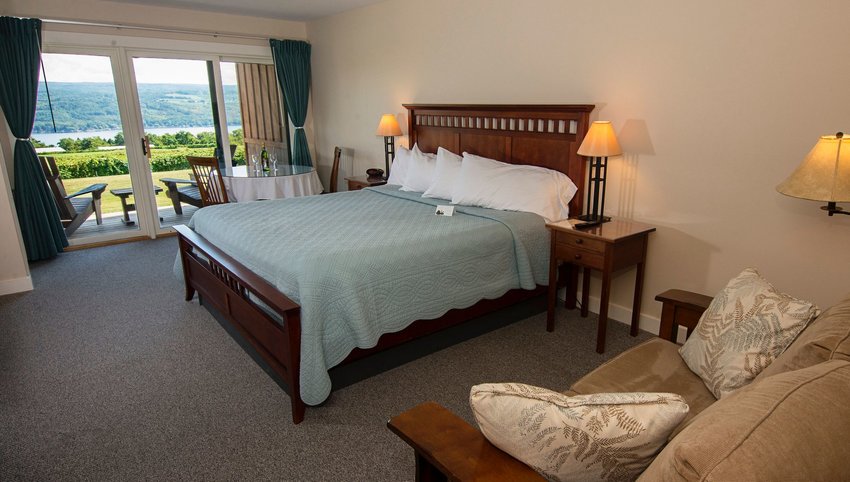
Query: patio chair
[
  {"x": 210, "y": 183},
  {"x": 74, "y": 209},
  {"x": 188, "y": 194},
  {"x": 334, "y": 171}
]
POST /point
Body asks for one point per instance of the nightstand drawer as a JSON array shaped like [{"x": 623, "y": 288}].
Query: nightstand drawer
[
  {"x": 574, "y": 254},
  {"x": 572, "y": 241}
]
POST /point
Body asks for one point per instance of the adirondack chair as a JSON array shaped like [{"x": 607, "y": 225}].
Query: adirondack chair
[
  {"x": 188, "y": 194},
  {"x": 74, "y": 209}
]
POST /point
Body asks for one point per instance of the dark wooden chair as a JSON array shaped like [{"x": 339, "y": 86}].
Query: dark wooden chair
[
  {"x": 178, "y": 193},
  {"x": 334, "y": 171},
  {"x": 74, "y": 209},
  {"x": 210, "y": 183},
  {"x": 189, "y": 194}
]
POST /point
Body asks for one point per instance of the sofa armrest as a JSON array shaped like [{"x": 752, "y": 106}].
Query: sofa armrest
[
  {"x": 448, "y": 448},
  {"x": 680, "y": 308}
]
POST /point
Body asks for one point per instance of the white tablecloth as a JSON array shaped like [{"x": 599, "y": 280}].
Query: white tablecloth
[{"x": 242, "y": 188}]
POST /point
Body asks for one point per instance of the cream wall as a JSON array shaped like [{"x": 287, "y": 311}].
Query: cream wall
[
  {"x": 153, "y": 16},
  {"x": 14, "y": 275},
  {"x": 714, "y": 102},
  {"x": 14, "y": 272}
]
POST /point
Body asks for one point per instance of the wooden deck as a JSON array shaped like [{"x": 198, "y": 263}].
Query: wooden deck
[{"x": 112, "y": 222}]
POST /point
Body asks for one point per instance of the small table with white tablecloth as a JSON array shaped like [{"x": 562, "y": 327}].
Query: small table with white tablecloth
[{"x": 246, "y": 184}]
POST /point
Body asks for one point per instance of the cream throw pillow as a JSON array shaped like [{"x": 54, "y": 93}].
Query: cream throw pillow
[
  {"x": 610, "y": 436},
  {"x": 744, "y": 329}
]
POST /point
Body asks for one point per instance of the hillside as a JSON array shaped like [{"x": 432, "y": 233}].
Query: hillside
[{"x": 88, "y": 106}]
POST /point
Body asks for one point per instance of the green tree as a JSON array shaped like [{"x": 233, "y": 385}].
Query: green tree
[
  {"x": 91, "y": 143},
  {"x": 118, "y": 140},
  {"x": 167, "y": 140},
  {"x": 70, "y": 145},
  {"x": 184, "y": 138},
  {"x": 206, "y": 139},
  {"x": 37, "y": 143},
  {"x": 237, "y": 137}
]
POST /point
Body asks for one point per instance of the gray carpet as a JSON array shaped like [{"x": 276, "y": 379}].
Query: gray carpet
[{"x": 107, "y": 374}]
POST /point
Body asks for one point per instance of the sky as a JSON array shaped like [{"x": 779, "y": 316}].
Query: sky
[{"x": 93, "y": 68}]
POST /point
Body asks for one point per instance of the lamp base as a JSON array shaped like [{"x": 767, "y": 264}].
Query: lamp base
[
  {"x": 831, "y": 209},
  {"x": 594, "y": 218}
]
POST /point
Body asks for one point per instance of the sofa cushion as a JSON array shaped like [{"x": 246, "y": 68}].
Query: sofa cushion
[
  {"x": 611, "y": 436},
  {"x": 652, "y": 366},
  {"x": 790, "y": 426},
  {"x": 745, "y": 328},
  {"x": 826, "y": 338}
]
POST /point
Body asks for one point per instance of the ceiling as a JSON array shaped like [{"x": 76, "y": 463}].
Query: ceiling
[{"x": 282, "y": 9}]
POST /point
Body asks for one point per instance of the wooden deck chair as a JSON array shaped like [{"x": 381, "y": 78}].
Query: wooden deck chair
[
  {"x": 208, "y": 177},
  {"x": 73, "y": 208},
  {"x": 188, "y": 194},
  {"x": 335, "y": 171}
]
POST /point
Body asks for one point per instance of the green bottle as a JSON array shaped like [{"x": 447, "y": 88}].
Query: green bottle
[{"x": 264, "y": 158}]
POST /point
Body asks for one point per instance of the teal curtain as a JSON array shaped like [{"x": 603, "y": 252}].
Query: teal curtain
[
  {"x": 292, "y": 64},
  {"x": 38, "y": 216}
]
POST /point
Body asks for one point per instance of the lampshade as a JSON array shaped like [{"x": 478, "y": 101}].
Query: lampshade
[
  {"x": 388, "y": 126},
  {"x": 600, "y": 141},
  {"x": 824, "y": 174}
]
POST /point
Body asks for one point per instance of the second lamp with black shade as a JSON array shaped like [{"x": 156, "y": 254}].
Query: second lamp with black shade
[{"x": 599, "y": 143}]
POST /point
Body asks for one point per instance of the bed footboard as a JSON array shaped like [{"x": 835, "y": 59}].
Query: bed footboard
[{"x": 228, "y": 286}]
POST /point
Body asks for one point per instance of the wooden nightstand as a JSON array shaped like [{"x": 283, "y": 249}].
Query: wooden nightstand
[
  {"x": 606, "y": 247},
  {"x": 359, "y": 182}
]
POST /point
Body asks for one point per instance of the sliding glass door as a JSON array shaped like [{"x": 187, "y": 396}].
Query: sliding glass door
[
  {"x": 178, "y": 104},
  {"x": 79, "y": 134},
  {"x": 127, "y": 118}
]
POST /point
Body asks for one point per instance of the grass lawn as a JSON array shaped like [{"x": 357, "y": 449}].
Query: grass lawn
[{"x": 112, "y": 204}]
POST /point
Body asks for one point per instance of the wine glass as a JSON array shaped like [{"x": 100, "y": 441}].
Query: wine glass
[
  {"x": 273, "y": 162},
  {"x": 256, "y": 163}
]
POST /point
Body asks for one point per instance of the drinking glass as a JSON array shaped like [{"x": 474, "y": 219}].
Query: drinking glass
[{"x": 256, "y": 163}]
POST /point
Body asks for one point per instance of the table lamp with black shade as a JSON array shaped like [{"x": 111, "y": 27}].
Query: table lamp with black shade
[
  {"x": 824, "y": 175},
  {"x": 389, "y": 128},
  {"x": 599, "y": 143}
]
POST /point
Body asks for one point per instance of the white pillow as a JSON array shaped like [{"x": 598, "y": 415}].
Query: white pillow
[
  {"x": 605, "y": 436},
  {"x": 445, "y": 174},
  {"x": 492, "y": 184},
  {"x": 400, "y": 166},
  {"x": 421, "y": 172}
]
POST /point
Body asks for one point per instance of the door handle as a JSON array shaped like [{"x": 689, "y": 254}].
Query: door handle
[{"x": 144, "y": 146}]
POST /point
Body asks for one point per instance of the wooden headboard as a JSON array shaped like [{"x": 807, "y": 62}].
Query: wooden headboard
[{"x": 540, "y": 135}]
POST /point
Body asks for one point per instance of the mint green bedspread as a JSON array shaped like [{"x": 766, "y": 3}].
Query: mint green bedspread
[{"x": 370, "y": 262}]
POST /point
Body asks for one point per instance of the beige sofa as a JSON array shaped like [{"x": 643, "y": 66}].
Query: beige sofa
[{"x": 791, "y": 423}]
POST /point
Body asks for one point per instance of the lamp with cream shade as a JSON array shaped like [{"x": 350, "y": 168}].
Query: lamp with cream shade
[
  {"x": 389, "y": 128},
  {"x": 824, "y": 174},
  {"x": 599, "y": 143}
]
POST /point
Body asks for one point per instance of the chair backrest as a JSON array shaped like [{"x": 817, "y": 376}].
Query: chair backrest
[
  {"x": 335, "y": 169},
  {"x": 51, "y": 172},
  {"x": 208, "y": 177}
]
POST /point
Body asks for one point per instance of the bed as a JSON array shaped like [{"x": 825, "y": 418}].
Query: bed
[{"x": 359, "y": 267}]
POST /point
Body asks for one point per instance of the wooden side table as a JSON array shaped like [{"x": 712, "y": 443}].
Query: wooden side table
[
  {"x": 606, "y": 247},
  {"x": 359, "y": 182}
]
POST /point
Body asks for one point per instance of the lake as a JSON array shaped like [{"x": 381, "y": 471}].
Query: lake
[{"x": 50, "y": 138}]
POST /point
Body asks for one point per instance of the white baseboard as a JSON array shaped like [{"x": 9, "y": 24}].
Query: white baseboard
[
  {"x": 619, "y": 313},
  {"x": 623, "y": 315},
  {"x": 16, "y": 285}
]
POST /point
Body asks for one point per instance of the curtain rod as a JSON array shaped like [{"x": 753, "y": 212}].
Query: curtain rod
[{"x": 153, "y": 29}]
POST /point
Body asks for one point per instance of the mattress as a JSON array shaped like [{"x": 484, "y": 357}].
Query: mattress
[{"x": 369, "y": 262}]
